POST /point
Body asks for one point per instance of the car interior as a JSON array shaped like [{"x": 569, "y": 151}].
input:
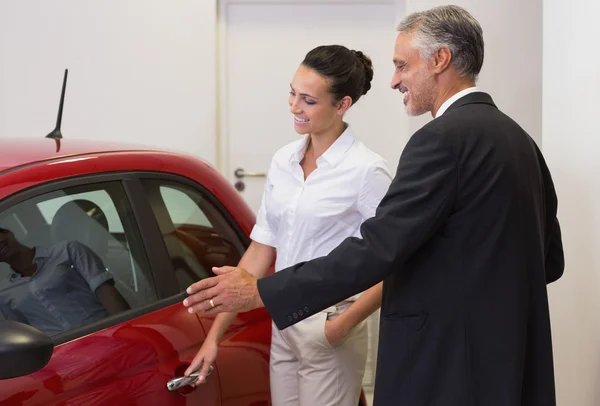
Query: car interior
[
  {"x": 82, "y": 220},
  {"x": 100, "y": 220}
]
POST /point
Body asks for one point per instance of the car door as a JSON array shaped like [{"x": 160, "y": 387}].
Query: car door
[
  {"x": 200, "y": 233},
  {"x": 145, "y": 338}
]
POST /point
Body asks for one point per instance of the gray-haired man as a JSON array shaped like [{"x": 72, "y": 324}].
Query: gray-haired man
[{"x": 466, "y": 240}]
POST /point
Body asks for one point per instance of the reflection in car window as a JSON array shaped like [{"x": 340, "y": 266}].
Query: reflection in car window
[
  {"x": 182, "y": 209},
  {"x": 196, "y": 234},
  {"x": 64, "y": 264},
  {"x": 48, "y": 208}
]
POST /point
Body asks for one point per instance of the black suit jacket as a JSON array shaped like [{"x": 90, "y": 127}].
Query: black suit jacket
[{"x": 465, "y": 241}]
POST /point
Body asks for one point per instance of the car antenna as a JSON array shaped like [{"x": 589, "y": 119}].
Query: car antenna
[{"x": 56, "y": 134}]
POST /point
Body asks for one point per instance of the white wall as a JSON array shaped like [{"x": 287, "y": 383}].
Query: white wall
[
  {"x": 139, "y": 70},
  {"x": 571, "y": 144},
  {"x": 145, "y": 70},
  {"x": 512, "y": 67}
]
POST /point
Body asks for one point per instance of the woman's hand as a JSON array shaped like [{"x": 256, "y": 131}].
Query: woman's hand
[
  {"x": 203, "y": 360},
  {"x": 335, "y": 332}
]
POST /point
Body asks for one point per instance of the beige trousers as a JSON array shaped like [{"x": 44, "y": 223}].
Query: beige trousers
[{"x": 307, "y": 371}]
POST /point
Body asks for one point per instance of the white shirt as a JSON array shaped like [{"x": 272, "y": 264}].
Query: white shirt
[
  {"x": 307, "y": 219},
  {"x": 454, "y": 98}
]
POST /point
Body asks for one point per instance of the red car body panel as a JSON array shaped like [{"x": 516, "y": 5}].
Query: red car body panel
[{"x": 131, "y": 362}]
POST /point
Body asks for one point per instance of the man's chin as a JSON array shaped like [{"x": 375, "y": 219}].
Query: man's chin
[{"x": 413, "y": 113}]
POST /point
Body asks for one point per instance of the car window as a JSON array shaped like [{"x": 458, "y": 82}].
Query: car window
[
  {"x": 72, "y": 257},
  {"x": 194, "y": 230}
]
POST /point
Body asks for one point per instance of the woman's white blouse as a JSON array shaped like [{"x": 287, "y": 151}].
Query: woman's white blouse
[{"x": 307, "y": 219}]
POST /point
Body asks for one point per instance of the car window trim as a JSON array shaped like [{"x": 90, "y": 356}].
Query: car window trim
[
  {"x": 152, "y": 241},
  {"x": 117, "y": 319}
]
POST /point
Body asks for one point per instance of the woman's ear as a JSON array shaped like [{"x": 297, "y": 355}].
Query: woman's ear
[{"x": 343, "y": 105}]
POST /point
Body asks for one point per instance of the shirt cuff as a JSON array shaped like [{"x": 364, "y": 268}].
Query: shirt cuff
[
  {"x": 99, "y": 280},
  {"x": 262, "y": 236}
]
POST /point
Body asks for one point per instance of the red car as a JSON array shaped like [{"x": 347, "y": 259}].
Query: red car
[{"x": 143, "y": 225}]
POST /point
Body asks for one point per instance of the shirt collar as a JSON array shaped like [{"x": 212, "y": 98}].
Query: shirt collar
[
  {"x": 40, "y": 254},
  {"x": 334, "y": 154},
  {"x": 454, "y": 98}
]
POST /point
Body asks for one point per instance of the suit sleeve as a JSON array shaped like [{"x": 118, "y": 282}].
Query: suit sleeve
[
  {"x": 555, "y": 259},
  {"x": 418, "y": 201}
]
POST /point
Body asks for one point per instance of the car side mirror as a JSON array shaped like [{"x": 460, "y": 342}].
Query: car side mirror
[{"x": 23, "y": 349}]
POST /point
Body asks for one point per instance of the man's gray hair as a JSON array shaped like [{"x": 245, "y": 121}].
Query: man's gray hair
[{"x": 452, "y": 27}]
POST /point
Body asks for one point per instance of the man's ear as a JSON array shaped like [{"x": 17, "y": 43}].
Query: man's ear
[
  {"x": 343, "y": 105},
  {"x": 441, "y": 59}
]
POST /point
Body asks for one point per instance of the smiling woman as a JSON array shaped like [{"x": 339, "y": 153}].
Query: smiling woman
[
  {"x": 328, "y": 82},
  {"x": 319, "y": 190}
]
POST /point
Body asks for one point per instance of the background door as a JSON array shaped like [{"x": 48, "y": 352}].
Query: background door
[{"x": 261, "y": 44}]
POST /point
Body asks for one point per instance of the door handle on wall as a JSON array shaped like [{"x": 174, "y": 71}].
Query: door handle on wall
[{"x": 240, "y": 173}]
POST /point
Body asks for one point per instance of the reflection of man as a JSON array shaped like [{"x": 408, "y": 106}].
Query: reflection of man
[
  {"x": 466, "y": 239},
  {"x": 58, "y": 288}
]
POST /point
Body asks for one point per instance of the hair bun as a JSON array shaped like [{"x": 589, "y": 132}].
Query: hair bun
[{"x": 367, "y": 65}]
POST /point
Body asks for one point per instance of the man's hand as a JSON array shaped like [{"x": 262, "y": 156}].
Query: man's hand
[{"x": 232, "y": 290}]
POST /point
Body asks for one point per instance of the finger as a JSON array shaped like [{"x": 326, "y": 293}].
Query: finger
[
  {"x": 223, "y": 270},
  {"x": 188, "y": 371},
  {"x": 202, "y": 285},
  {"x": 204, "y": 372},
  {"x": 194, "y": 366},
  {"x": 206, "y": 307},
  {"x": 213, "y": 311},
  {"x": 204, "y": 295}
]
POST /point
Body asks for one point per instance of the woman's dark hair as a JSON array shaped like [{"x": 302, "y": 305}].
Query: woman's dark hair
[{"x": 349, "y": 72}]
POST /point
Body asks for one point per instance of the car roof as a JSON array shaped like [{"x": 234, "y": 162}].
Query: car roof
[{"x": 23, "y": 151}]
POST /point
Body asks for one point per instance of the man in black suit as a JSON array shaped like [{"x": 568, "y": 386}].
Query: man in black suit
[{"x": 465, "y": 240}]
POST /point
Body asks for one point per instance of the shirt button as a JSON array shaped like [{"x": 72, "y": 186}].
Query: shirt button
[
  {"x": 306, "y": 309},
  {"x": 300, "y": 313},
  {"x": 295, "y": 315},
  {"x": 290, "y": 319}
]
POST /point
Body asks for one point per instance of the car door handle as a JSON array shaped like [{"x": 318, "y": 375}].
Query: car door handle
[{"x": 181, "y": 381}]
